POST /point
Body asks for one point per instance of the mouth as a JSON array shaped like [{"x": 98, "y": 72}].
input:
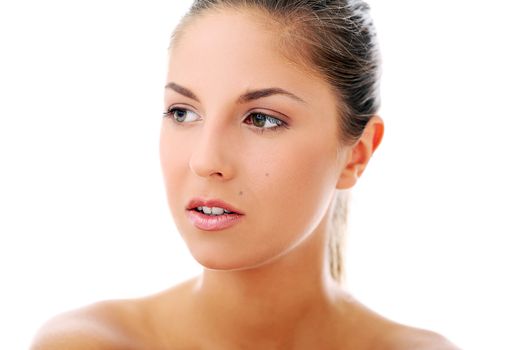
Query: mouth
[{"x": 212, "y": 214}]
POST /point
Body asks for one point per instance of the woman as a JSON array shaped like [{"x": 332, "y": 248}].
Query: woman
[{"x": 271, "y": 116}]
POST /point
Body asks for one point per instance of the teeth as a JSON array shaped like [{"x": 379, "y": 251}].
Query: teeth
[
  {"x": 217, "y": 211},
  {"x": 213, "y": 210}
]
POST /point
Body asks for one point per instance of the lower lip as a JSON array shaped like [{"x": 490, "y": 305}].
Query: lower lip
[{"x": 212, "y": 222}]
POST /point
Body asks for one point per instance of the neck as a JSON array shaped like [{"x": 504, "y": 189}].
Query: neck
[{"x": 271, "y": 300}]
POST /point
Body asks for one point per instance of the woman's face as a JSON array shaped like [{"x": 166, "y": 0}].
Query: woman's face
[{"x": 247, "y": 127}]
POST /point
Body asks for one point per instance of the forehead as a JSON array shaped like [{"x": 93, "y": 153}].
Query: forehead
[{"x": 238, "y": 50}]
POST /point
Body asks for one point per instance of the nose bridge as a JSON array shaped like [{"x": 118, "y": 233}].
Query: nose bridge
[{"x": 210, "y": 150}]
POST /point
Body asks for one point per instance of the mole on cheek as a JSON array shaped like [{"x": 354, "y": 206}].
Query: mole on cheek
[
  {"x": 240, "y": 193},
  {"x": 267, "y": 174}
]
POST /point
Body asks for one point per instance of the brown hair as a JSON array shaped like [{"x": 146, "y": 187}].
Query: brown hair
[{"x": 335, "y": 39}]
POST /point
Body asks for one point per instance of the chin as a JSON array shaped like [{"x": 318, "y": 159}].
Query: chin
[
  {"x": 228, "y": 261},
  {"x": 223, "y": 263}
]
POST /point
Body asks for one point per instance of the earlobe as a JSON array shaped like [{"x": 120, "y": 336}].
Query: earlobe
[
  {"x": 347, "y": 179},
  {"x": 360, "y": 153}
]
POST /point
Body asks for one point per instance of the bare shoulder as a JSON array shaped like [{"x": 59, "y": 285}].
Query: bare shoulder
[
  {"x": 152, "y": 322},
  {"x": 107, "y": 325},
  {"x": 409, "y": 338},
  {"x": 381, "y": 333}
]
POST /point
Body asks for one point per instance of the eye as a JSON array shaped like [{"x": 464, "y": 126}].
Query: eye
[
  {"x": 181, "y": 115},
  {"x": 264, "y": 122}
]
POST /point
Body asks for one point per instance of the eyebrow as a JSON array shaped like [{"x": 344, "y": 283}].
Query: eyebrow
[
  {"x": 246, "y": 97},
  {"x": 181, "y": 90}
]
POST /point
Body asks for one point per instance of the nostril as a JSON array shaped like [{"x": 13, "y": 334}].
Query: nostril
[{"x": 215, "y": 174}]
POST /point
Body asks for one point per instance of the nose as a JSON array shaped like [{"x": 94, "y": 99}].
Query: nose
[{"x": 211, "y": 155}]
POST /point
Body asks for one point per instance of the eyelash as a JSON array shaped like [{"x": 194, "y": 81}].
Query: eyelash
[{"x": 279, "y": 123}]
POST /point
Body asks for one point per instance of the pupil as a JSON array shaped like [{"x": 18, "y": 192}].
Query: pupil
[
  {"x": 259, "y": 120},
  {"x": 180, "y": 115}
]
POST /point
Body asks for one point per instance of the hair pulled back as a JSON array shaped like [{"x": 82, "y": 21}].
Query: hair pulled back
[{"x": 335, "y": 39}]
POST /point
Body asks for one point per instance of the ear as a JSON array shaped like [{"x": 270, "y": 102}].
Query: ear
[{"x": 358, "y": 155}]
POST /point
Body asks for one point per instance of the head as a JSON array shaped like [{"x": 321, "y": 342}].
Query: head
[{"x": 271, "y": 106}]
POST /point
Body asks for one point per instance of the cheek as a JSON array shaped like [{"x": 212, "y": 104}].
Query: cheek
[
  {"x": 173, "y": 159},
  {"x": 295, "y": 184}
]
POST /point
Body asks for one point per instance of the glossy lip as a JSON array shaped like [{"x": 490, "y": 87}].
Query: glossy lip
[
  {"x": 202, "y": 202},
  {"x": 213, "y": 222}
]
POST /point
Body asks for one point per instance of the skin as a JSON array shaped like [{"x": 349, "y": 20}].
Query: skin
[{"x": 265, "y": 282}]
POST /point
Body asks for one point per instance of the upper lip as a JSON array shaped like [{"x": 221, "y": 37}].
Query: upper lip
[{"x": 213, "y": 202}]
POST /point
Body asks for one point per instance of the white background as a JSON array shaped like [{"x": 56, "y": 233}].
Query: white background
[{"x": 436, "y": 221}]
